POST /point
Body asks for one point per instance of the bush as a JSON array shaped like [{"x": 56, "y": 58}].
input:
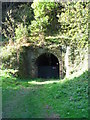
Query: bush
[
  {"x": 8, "y": 56},
  {"x": 21, "y": 31}
]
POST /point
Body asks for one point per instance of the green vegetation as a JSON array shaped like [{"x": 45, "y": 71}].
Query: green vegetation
[
  {"x": 66, "y": 98},
  {"x": 45, "y": 23}
]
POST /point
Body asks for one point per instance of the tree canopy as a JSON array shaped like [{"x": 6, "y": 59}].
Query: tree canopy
[
  {"x": 43, "y": 23},
  {"x": 55, "y": 22},
  {"x": 65, "y": 22}
]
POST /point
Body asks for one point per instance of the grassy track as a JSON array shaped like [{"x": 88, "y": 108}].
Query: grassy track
[{"x": 66, "y": 98}]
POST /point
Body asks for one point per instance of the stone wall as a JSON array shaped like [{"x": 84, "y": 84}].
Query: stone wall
[{"x": 30, "y": 54}]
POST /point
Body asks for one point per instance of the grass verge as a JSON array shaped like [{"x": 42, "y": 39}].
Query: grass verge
[{"x": 66, "y": 98}]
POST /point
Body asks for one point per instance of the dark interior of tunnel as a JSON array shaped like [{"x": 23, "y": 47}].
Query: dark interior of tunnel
[
  {"x": 48, "y": 66},
  {"x": 47, "y": 60}
]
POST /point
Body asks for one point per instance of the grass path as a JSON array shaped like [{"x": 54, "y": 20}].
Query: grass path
[
  {"x": 23, "y": 98},
  {"x": 19, "y": 100}
]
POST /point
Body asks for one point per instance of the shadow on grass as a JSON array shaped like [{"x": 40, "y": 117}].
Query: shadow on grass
[
  {"x": 23, "y": 99},
  {"x": 14, "y": 82}
]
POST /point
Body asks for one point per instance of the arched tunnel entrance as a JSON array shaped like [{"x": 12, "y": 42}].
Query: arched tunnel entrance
[{"x": 48, "y": 66}]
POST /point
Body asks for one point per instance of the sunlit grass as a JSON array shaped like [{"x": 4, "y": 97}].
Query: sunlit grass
[
  {"x": 42, "y": 98},
  {"x": 41, "y": 83}
]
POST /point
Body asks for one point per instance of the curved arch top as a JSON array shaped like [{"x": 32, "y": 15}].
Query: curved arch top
[
  {"x": 36, "y": 59},
  {"x": 48, "y": 53},
  {"x": 48, "y": 66}
]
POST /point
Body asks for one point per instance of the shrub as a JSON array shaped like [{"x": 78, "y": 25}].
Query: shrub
[
  {"x": 8, "y": 56},
  {"x": 21, "y": 31}
]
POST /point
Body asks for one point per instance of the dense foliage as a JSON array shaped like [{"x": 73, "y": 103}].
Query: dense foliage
[
  {"x": 18, "y": 15},
  {"x": 42, "y": 23},
  {"x": 62, "y": 23}
]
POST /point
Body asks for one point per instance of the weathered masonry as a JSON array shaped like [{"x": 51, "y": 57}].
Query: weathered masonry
[{"x": 43, "y": 62}]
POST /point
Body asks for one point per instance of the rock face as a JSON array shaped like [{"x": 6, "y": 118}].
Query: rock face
[{"x": 30, "y": 60}]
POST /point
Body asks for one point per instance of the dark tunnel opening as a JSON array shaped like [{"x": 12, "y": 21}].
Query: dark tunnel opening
[{"x": 48, "y": 66}]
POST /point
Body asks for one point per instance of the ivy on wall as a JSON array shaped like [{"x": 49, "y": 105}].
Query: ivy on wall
[{"x": 47, "y": 23}]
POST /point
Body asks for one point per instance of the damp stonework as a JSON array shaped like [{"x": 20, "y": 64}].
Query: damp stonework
[{"x": 42, "y": 62}]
